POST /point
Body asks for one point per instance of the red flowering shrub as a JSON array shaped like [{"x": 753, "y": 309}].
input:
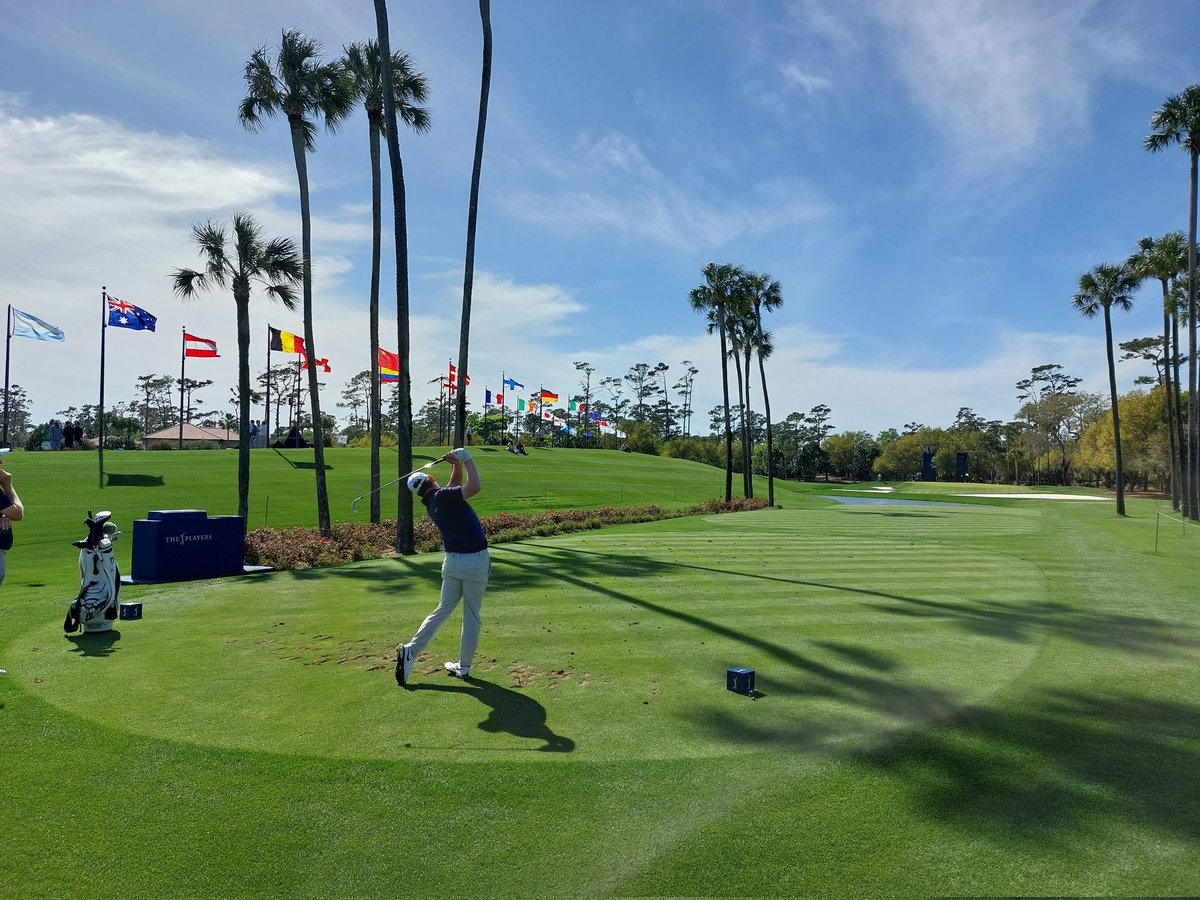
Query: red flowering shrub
[{"x": 302, "y": 548}]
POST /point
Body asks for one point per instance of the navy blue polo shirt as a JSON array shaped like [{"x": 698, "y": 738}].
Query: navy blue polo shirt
[{"x": 457, "y": 523}]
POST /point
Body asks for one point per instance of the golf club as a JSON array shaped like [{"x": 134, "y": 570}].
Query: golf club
[{"x": 428, "y": 465}]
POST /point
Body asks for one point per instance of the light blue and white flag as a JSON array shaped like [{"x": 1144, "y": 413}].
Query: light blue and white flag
[{"x": 28, "y": 326}]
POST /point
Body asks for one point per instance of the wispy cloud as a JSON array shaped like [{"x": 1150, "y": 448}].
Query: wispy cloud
[{"x": 610, "y": 185}]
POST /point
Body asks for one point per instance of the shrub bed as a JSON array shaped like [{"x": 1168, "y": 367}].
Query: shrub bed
[{"x": 303, "y": 548}]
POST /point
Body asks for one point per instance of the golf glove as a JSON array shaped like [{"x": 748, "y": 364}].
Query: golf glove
[{"x": 460, "y": 454}]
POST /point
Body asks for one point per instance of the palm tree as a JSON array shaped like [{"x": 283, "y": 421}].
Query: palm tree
[
  {"x": 403, "y": 406},
  {"x": 1177, "y": 121},
  {"x": 464, "y": 337},
  {"x": 765, "y": 295},
  {"x": 1104, "y": 287},
  {"x": 409, "y": 89},
  {"x": 740, "y": 327},
  {"x": 1164, "y": 259},
  {"x": 299, "y": 85},
  {"x": 720, "y": 292},
  {"x": 276, "y": 266}
]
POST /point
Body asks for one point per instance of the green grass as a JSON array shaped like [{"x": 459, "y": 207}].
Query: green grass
[{"x": 976, "y": 700}]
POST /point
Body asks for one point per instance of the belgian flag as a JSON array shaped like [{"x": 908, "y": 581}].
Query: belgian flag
[{"x": 285, "y": 341}]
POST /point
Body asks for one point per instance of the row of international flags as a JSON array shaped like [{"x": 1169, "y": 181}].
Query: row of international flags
[{"x": 128, "y": 315}]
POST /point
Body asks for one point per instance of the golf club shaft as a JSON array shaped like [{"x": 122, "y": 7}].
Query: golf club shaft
[{"x": 427, "y": 465}]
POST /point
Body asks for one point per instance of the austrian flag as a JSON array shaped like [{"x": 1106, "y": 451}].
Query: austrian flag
[{"x": 198, "y": 346}]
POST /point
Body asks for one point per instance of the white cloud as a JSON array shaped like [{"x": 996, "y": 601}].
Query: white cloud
[
  {"x": 611, "y": 186},
  {"x": 809, "y": 83},
  {"x": 1007, "y": 83}
]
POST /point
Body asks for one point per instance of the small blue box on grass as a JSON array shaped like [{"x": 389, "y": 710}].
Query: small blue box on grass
[
  {"x": 740, "y": 680},
  {"x": 131, "y": 610}
]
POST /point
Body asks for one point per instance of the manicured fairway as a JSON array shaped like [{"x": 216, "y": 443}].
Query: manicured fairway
[{"x": 960, "y": 700}]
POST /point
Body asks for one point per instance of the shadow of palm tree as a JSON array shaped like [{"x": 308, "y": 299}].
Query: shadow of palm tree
[
  {"x": 1020, "y": 622},
  {"x": 1059, "y": 764},
  {"x": 97, "y": 643},
  {"x": 511, "y": 712},
  {"x": 115, "y": 480}
]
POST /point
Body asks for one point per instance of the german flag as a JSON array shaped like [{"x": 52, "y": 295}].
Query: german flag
[
  {"x": 285, "y": 341},
  {"x": 548, "y": 396}
]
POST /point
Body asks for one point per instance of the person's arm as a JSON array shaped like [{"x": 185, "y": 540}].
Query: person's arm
[
  {"x": 464, "y": 473},
  {"x": 16, "y": 511}
]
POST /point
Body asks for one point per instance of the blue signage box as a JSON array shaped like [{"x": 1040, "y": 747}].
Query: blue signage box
[
  {"x": 185, "y": 544},
  {"x": 740, "y": 680}
]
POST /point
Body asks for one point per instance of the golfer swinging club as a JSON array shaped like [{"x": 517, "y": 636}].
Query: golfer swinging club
[{"x": 465, "y": 569}]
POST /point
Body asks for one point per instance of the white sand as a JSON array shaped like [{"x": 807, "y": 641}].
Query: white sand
[{"x": 1031, "y": 496}]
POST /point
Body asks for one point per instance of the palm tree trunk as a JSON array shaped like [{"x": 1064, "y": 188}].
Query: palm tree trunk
[
  {"x": 310, "y": 346},
  {"x": 376, "y": 243},
  {"x": 1174, "y": 443},
  {"x": 1116, "y": 418},
  {"x": 762, "y": 375},
  {"x": 404, "y": 501},
  {"x": 241, "y": 300},
  {"x": 1193, "y": 399},
  {"x": 725, "y": 400},
  {"x": 464, "y": 336},
  {"x": 737, "y": 365},
  {"x": 748, "y": 445},
  {"x": 1185, "y": 504}
]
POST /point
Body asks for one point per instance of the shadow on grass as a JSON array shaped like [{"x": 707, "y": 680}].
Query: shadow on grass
[
  {"x": 401, "y": 574},
  {"x": 98, "y": 643},
  {"x": 512, "y": 712},
  {"x": 868, "y": 691},
  {"x": 1022, "y": 623},
  {"x": 1032, "y": 621},
  {"x": 1058, "y": 765},
  {"x": 301, "y": 464},
  {"x": 115, "y": 480}
]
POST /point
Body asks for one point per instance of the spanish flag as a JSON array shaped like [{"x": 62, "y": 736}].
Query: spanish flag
[
  {"x": 389, "y": 366},
  {"x": 285, "y": 341}
]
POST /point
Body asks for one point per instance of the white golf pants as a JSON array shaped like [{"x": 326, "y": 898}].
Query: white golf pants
[{"x": 465, "y": 578}]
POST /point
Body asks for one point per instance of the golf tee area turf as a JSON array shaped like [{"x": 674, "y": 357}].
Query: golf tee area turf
[{"x": 994, "y": 698}]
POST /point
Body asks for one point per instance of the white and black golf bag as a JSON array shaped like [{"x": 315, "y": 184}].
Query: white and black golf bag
[{"x": 95, "y": 608}]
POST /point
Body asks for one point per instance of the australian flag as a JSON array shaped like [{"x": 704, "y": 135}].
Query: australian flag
[{"x": 126, "y": 315}]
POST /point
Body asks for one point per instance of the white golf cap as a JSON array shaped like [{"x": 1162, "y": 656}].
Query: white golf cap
[{"x": 416, "y": 482}]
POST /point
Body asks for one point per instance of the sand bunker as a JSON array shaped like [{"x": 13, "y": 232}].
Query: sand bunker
[{"x": 1032, "y": 496}]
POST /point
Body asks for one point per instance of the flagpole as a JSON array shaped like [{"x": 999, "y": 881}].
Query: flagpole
[
  {"x": 103, "y": 333},
  {"x": 7, "y": 359},
  {"x": 267, "y": 423},
  {"x": 182, "y": 361}
]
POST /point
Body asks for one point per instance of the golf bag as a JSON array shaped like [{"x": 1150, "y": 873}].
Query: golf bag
[{"x": 95, "y": 608}]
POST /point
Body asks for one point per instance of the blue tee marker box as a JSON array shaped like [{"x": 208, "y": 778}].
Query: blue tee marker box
[{"x": 740, "y": 680}]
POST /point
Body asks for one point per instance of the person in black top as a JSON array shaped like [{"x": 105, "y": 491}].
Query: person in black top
[
  {"x": 11, "y": 510},
  {"x": 466, "y": 568}
]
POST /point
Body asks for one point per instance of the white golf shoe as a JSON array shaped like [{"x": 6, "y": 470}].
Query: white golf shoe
[
  {"x": 457, "y": 671},
  {"x": 404, "y": 663}
]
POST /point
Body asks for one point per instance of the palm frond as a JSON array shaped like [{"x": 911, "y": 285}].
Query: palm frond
[
  {"x": 262, "y": 99},
  {"x": 187, "y": 283},
  {"x": 285, "y": 294}
]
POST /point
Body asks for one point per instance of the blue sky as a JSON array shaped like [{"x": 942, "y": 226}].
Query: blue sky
[{"x": 927, "y": 180}]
